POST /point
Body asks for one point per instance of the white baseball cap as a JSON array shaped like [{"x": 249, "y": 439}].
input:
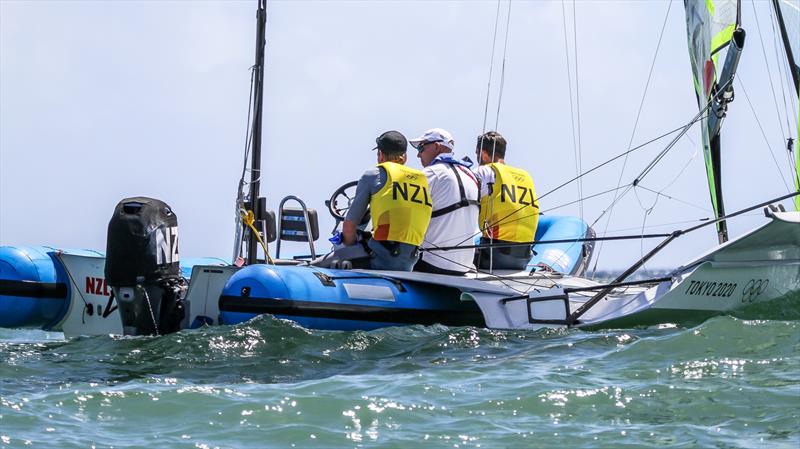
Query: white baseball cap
[{"x": 434, "y": 135}]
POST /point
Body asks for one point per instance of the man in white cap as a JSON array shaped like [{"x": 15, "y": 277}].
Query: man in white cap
[{"x": 454, "y": 194}]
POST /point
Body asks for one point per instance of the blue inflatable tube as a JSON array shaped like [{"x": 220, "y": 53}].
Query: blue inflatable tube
[
  {"x": 35, "y": 288},
  {"x": 568, "y": 257},
  {"x": 319, "y": 298}
]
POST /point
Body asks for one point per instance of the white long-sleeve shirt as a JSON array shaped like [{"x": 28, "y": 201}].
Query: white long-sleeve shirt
[{"x": 457, "y": 227}]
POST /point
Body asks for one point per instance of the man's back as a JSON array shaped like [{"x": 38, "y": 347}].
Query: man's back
[{"x": 451, "y": 225}]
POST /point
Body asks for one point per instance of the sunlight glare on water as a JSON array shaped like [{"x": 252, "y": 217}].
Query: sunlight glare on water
[{"x": 728, "y": 382}]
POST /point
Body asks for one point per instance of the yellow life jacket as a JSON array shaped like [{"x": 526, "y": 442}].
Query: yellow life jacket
[
  {"x": 401, "y": 209},
  {"x": 510, "y": 211}
]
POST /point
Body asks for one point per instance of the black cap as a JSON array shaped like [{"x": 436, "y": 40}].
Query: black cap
[{"x": 391, "y": 142}]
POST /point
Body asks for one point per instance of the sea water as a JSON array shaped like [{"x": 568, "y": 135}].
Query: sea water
[{"x": 728, "y": 382}]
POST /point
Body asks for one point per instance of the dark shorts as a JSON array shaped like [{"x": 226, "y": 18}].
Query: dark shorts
[
  {"x": 506, "y": 258},
  {"x": 393, "y": 256}
]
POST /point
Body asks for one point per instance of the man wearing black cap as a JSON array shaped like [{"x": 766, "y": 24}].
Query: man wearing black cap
[{"x": 399, "y": 203}]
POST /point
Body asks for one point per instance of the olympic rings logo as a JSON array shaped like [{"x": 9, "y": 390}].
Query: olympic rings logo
[{"x": 753, "y": 288}]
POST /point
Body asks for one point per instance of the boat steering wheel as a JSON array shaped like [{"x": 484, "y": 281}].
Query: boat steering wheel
[{"x": 340, "y": 202}]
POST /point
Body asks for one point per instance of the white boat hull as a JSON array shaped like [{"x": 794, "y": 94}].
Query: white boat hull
[{"x": 758, "y": 267}]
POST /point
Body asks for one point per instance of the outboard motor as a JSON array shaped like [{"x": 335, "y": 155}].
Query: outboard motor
[{"x": 142, "y": 267}]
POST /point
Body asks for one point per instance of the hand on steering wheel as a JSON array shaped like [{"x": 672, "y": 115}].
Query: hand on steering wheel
[{"x": 340, "y": 202}]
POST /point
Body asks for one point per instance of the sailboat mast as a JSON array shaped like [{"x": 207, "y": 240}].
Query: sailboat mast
[
  {"x": 713, "y": 29},
  {"x": 718, "y": 109},
  {"x": 258, "y": 107}
]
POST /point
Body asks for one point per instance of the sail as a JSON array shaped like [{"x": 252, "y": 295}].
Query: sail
[
  {"x": 788, "y": 15},
  {"x": 788, "y": 12},
  {"x": 710, "y": 25}
]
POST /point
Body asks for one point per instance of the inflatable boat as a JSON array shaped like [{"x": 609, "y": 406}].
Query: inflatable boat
[
  {"x": 320, "y": 298},
  {"x": 66, "y": 289}
]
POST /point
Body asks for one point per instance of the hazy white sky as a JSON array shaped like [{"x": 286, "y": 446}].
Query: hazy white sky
[{"x": 104, "y": 100}]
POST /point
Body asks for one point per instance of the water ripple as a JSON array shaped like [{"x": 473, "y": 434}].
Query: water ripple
[{"x": 728, "y": 382}]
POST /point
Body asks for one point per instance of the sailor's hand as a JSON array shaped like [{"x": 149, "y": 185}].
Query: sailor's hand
[{"x": 337, "y": 238}]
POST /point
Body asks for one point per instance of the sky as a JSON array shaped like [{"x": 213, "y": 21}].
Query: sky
[{"x": 103, "y": 100}]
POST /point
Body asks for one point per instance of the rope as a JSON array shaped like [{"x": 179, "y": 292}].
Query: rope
[
  {"x": 248, "y": 218},
  {"x": 75, "y": 285},
  {"x": 150, "y": 307}
]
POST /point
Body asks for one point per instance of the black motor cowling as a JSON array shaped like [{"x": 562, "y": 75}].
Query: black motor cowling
[{"x": 142, "y": 266}]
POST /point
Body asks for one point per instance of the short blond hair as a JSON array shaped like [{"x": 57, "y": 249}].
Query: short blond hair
[{"x": 399, "y": 158}]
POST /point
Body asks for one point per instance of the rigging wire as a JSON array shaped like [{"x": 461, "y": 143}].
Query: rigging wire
[
  {"x": 763, "y": 134},
  {"x": 638, "y": 147},
  {"x": 663, "y": 225},
  {"x": 660, "y": 193},
  {"x": 683, "y": 169},
  {"x": 497, "y": 277},
  {"x": 769, "y": 75},
  {"x": 659, "y": 157},
  {"x": 700, "y": 115},
  {"x": 485, "y": 117},
  {"x": 576, "y": 144},
  {"x": 635, "y": 127},
  {"x": 783, "y": 75},
  {"x": 247, "y": 136},
  {"x": 497, "y": 116},
  {"x": 641, "y": 236},
  {"x": 789, "y": 104},
  {"x": 503, "y": 68},
  {"x": 647, "y": 212},
  {"x": 505, "y": 220},
  {"x": 240, "y": 194},
  {"x": 682, "y": 128},
  {"x": 577, "y": 83},
  {"x": 491, "y": 68},
  {"x": 572, "y": 111},
  {"x": 675, "y": 233},
  {"x": 720, "y": 92},
  {"x": 594, "y": 195}
]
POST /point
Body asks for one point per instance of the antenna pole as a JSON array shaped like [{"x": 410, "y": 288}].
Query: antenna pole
[{"x": 258, "y": 97}]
